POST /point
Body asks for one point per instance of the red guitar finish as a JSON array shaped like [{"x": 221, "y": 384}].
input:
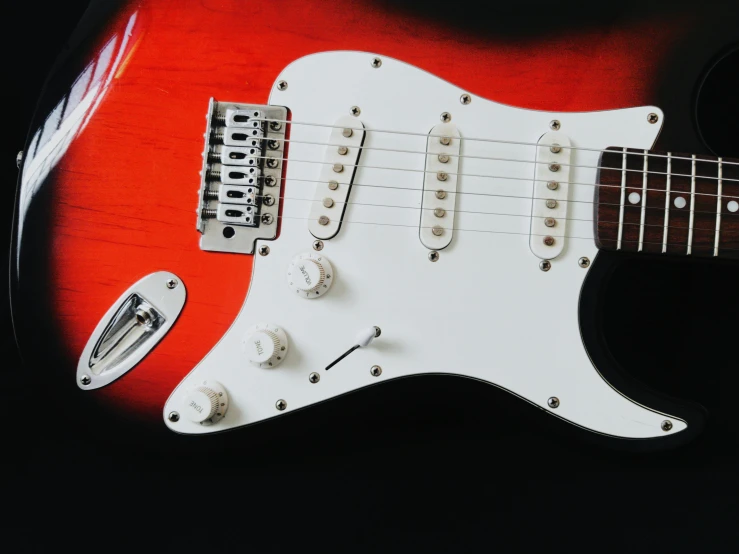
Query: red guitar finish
[{"x": 123, "y": 199}]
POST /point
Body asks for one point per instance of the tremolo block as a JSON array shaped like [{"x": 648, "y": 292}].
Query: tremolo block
[
  {"x": 242, "y": 175},
  {"x": 549, "y": 207},
  {"x": 440, "y": 183}
]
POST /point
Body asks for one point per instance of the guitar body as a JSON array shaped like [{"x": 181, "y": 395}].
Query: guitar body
[{"x": 108, "y": 196}]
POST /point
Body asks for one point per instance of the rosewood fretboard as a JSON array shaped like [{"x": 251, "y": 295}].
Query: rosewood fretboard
[{"x": 667, "y": 203}]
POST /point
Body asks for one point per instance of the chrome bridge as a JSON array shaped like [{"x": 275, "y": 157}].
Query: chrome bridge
[{"x": 241, "y": 178}]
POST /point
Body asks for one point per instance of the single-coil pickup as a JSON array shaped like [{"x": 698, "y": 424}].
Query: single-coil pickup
[
  {"x": 440, "y": 182},
  {"x": 337, "y": 175},
  {"x": 551, "y": 188}
]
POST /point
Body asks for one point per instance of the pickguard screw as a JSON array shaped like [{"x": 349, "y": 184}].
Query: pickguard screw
[
  {"x": 553, "y": 402},
  {"x": 272, "y": 163},
  {"x": 465, "y": 99},
  {"x": 318, "y": 245},
  {"x": 314, "y": 377},
  {"x": 584, "y": 262},
  {"x": 174, "y": 417},
  {"x": 555, "y": 149},
  {"x": 548, "y": 240},
  {"x": 653, "y": 118},
  {"x": 85, "y": 380},
  {"x": 376, "y": 62},
  {"x": 446, "y": 117},
  {"x": 264, "y": 250},
  {"x": 375, "y": 371},
  {"x": 434, "y": 256},
  {"x": 267, "y": 219},
  {"x": 172, "y": 283},
  {"x": 555, "y": 125},
  {"x": 281, "y": 404},
  {"x": 355, "y": 111},
  {"x": 666, "y": 425},
  {"x": 545, "y": 265},
  {"x": 281, "y": 85}
]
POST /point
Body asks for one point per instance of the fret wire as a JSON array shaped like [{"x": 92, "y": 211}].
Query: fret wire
[
  {"x": 643, "y": 202},
  {"x": 623, "y": 201},
  {"x": 718, "y": 207},
  {"x": 667, "y": 201},
  {"x": 692, "y": 207}
]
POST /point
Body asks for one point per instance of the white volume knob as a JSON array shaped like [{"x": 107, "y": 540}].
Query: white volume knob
[
  {"x": 265, "y": 345},
  {"x": 206, "y": 403},
  {"x": 310, "y": 275}
]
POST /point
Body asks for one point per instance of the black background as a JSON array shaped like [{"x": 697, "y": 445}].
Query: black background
[{"x": 427, "y": 464}]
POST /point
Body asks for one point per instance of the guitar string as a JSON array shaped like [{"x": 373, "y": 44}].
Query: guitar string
[
  {"x": 493, "y": 195},
  {"x": 460, "y": 229},
  {"x": 503, "y": 214},
  {"x": 476, "y": 139},
  {"x": 635, "y": 187},
  {"x": 619, "y": 153}
]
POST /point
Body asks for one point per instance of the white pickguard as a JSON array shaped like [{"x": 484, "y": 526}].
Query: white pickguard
[{"x": 484, "y": 310}]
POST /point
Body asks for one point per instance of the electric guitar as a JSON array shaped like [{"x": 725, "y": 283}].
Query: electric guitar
[{"x": 230, "y": 211}]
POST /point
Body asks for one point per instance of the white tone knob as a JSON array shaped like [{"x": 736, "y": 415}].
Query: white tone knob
[
  {"x": 206, "y": 403},
  {"x": 310, "y": 275},
  {"x": 265, "y": 345}
]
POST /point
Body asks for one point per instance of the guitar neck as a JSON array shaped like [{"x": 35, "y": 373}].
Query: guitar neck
[{"x": 665, "y": 203}]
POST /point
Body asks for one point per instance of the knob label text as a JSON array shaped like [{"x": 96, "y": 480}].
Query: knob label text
[
  {"x": 305, "y": 275},
  {"x": 196, "y": 407}
]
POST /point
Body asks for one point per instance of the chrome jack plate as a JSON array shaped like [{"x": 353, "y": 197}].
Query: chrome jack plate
[{"x": 130, "y": 329}]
